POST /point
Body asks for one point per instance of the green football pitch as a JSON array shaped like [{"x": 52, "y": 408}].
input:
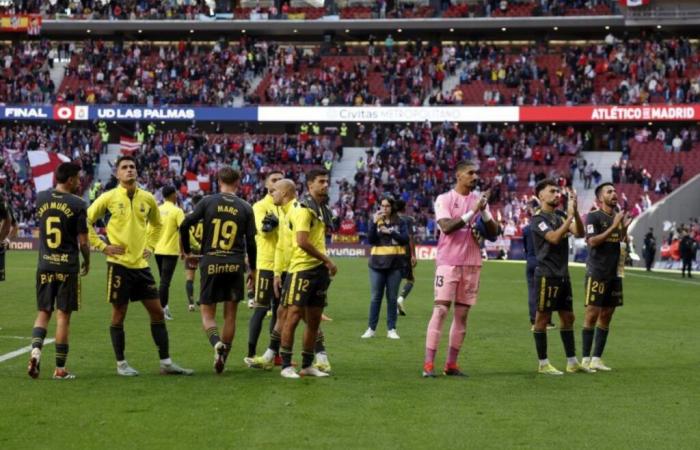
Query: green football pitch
[{"x": 376, "y": 397}]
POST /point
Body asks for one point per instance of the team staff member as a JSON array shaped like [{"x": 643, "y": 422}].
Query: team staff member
[
  {"x": 388, "y": 237},
  {"x": 606, "y": 230},
  {"x": 63, "y": 235},
  {"x": 228, "y": 234},
  {"x": 168, "y": 247},
  {"x": 550, "y": 235},
  {"x": 132, "y": 232},
  {"x": 310, "y": 269},
  {"x": 267, "y": 218}
]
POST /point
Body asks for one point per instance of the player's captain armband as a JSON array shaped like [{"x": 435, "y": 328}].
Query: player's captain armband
[
  {"x": 590, "y": 229},
  {"x": 543, "y": 226}
]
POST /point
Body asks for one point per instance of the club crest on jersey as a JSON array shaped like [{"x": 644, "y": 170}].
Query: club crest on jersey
[
  {"x": 590, "y": 229},
  {"x": 543, "y": 226}
]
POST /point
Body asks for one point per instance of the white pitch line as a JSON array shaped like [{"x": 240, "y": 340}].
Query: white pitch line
[
  {"x": 671, "y": 280},
  {"x": 15, "y": 337},
  {"x": 22, "y": 351}
]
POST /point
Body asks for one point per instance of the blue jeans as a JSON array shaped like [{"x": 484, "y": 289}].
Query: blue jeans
[{"x": 380, "y": 280}]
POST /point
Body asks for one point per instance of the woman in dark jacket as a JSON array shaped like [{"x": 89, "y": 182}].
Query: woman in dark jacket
[{"x": 388, "y": 236}]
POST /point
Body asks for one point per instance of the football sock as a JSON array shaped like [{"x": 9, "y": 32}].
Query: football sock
[
  {"x": 213, "y": 335},
  {"x": 320, "y": 345},
  {"x": 254, "y": 329},
  {"x": 432, "y": 339},
  {"x": 286, "y": 354},
  {"x": 567, "y": 338},
  {"x": 160, "y": 337},
  {"x": 307, "y": 358},
  {"x": 540, "y": 344},
  {"x": 38, "y": 336},
  {"x": 61, "y": 355},
  {"x": 275, "y": 340},
  {"x": 116, "y": 332},
  {"x": 273, "y": 319},
  {"x": 189, "y": 288},
  {"x": 587, "y": 338},
  {"x": 601, "y": 337},
  {"x": 458, "y": 330}
]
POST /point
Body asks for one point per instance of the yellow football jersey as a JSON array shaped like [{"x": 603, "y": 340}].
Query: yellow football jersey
[
  {"x": 169, "y": 242},
  {"x": 302, "y": 218}
]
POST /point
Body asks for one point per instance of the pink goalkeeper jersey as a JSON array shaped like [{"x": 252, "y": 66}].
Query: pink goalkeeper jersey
[{"x": 458, "y": 248}]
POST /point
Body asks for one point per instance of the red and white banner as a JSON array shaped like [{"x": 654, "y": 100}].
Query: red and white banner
[
  {"x": 609, "y": 113},
  {"x": 43, "y": 166},
  {"x": 633, "y": 3},
  {"x": 197, "y": 183},
  {"x": 127, "y": 145}
]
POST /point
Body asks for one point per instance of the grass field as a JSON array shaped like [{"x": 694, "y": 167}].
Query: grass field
[{"x": 376, "y": 398}]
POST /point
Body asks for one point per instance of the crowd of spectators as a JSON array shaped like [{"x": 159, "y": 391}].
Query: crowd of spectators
[
  {"x": 25, "y": 76},
  {"x": 204, "y": 153},
  {"x": 198, "y": 9},
  {"x": 416, "y": 162},
  {"x": 81, "y": 144},
  {"x": 145, "y": 73},
  {"x": 651, "y": 179},
  {"x": 412, "y": 162},
  {"x": 112, "y": 9},
  {"x": 389, "y": 74},
  {"x": 384, "y": 72},
  {"x": 164, "y": 159},
  {"x": 614, "y": 71},
  {"x": 514, "y": 8}
]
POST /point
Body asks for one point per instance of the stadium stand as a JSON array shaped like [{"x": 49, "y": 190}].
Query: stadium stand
[{"x": 653, "y": 70}]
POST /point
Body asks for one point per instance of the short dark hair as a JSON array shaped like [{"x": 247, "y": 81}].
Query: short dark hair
[
  {"x": 196, "y": 198},
  {"x": 400, "y": 205},
  {"x": 312, "y": 174},
  {"x": 168, "y": 190},
  {"x": 600, "y": 187},
  {"x": 463, "y": 164},
  {"x": 272, "y": 172},
  {"x": 543, "y": 184},
  {"x": 125, "y": 158},
  {"x": 227, "y": 175},
  {"x": 65, "y": 171}
]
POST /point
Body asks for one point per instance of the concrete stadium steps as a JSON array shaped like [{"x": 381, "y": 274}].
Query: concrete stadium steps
[
  {"x": 602, "y": 162},
  {"x": 345, "y": 168}
]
